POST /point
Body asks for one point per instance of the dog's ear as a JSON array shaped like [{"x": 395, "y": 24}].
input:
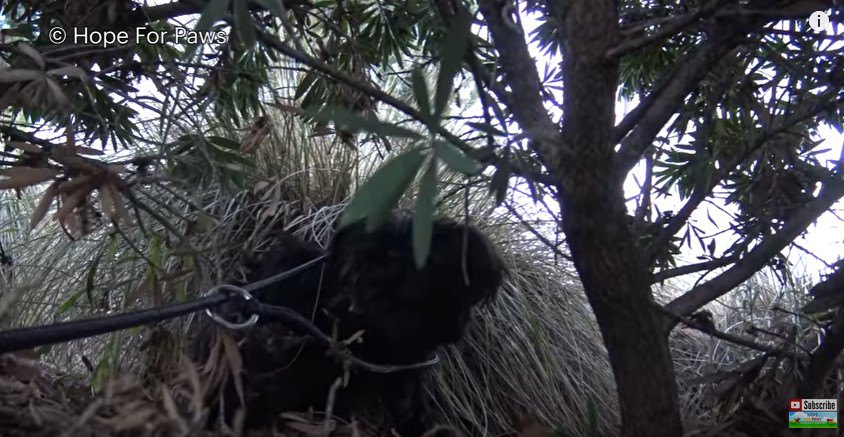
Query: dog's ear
[{"x": 472, "y": 258}]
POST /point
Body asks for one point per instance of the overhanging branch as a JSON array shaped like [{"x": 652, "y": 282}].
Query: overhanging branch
[
  {"x": 756, "y": 258},
  {"x": 693, "y": 268},
  {"x": 638, "y": 129},
  {"x": 526, "y": 101}
]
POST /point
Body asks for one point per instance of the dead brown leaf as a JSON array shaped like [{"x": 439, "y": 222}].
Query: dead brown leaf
[
  {"x": 44, "y": 204},
  {"x": 235, "y": 362},
  {"x": 70, "y": 202},
  {"x": 26, "y": 147},
  {"x": 20, "y": 177}
]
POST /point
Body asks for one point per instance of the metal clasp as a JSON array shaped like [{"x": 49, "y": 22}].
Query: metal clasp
[{"x": 237, "y": 291}]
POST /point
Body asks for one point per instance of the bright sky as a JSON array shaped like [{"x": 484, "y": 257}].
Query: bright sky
[{"x": 825, "y": 238}]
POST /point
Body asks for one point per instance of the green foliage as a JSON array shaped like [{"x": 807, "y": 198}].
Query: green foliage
[
  {"x": 214, "y": 11},
  {"x": 381, "y": 192},
  {"x": 244, "y": 25},
  {"x": 423, "y": 214},
  {"x": 453, "y": 49},
  {"x": 345, "y": 119},
  {"x": 455, "y": 158}
]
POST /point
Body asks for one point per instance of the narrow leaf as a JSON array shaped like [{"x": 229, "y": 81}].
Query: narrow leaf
[
  {"x": 455, "y": 158},
  {"x": 69, "y": 71},
  {"x": 592, "y": 418},
  {"x": 44, "y": 204},
  {"x": 304, "y": 85},
  {"x": 26, "y": 147},
  {"x": 32, "y": 53},
  {"x": 243, "y": 23},
  {"x": 107, "y": 201},
  {"x": 423, "y": 215},
  {"x": 345, "y": 119},
  {"x": 8, "y": 76},
  {"x": 20, "y": 177},
  {"x": 487, "y": 128},
  {"x": 57, "y": 92},
  {"x": 213, "y": 12},
  {"x": 272, "y": 6},
  {"x": 500, "y": 182},
  {"x": 420, "y": 91},
  {"x": 454, "y": 46},
  {"x": 382, "y": 191}
]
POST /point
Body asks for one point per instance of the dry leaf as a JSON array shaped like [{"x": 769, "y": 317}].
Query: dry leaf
[
  {"x": 292, "y": 109},
  {"x": 70, "y": 202},
  {"x": 69, "y": 71},
  {"x": 107, "y": 201},
  {"x": 71, "y": 223},
  {"x": 44, "y": 204},
  {"x": 80, "y": 150},
  {"x": 8, "y": 76},
  {"x": 26, "y": 147},
  {"x": 73, "y": 184},
  {"x": 135, "y": 420},
  {"x": 235, "y": 362},
  {"x": 117, "y": 168},
  {"x": 121, "y": 212},
  {"x": 32, "y": 53},
  {"x": 169, "y": 404},
  {"x": 20, "y": 177},
  {"x": 63, "y": 156},
  {"x": 57, "y": 92},
  {"x": 258, "y": 132}
]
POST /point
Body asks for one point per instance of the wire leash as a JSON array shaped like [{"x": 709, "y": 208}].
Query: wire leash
[{"x": 26, "y": 338}]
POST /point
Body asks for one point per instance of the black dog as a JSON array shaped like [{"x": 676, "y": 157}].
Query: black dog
[{"x": 369, "y": 283}]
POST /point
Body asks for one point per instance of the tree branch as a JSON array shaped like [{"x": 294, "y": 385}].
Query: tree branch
[
  {"x": 705, "y": 187},
  {"x": 645, "y": 121},
  {"x": 638, "y": 129},
  {"x": 673, "y": 27},
  {"x": 526, "y": 101},
  {"x": 755, "y": 259},
  {"x": 693, "y": 268},
  {"x": 166, "y": 11},
  {"x": 732, "y": 338}
]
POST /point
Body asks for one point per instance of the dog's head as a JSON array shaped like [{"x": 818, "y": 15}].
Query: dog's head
[{"x": 377, "y": 283}]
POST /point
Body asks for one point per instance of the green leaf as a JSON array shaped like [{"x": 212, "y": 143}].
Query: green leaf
[
  {"x": 213, "y": 12},
  {"x": 343, "y": 118},
  {"x": 382, "y": 191},
  {"x": 420, "y": 91},
  {"x": 455, "y": 158},
  {"x": 423, "y": 215},
  {"x": 304, "y": 85},
  {"x": 272, "y": 6},
  {"x": 501, "y": 179},
  {"x": 91, "y": 277},
  {"x": 487, "y": 128},
  {"x": 592, "y": 418},
  {"x": 243, "y": 23},
  {"x": 224, "y": 142},
  {"x": 454, "y": 46},
  {"x": 70, "y": 302}
]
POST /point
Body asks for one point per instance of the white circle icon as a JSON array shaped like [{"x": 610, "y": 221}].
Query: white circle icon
[{"x": 819, "y": 21}]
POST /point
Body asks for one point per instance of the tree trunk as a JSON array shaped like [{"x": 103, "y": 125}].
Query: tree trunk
[
  {"x": 615, "y": 284},
  {"x": 608, "y": 260}
]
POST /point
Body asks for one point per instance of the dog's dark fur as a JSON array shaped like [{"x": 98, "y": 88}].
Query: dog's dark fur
[{"x": 369, "y": 283}]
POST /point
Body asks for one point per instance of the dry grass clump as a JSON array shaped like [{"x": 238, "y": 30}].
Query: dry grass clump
[{"x": 535, "y": 354}]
